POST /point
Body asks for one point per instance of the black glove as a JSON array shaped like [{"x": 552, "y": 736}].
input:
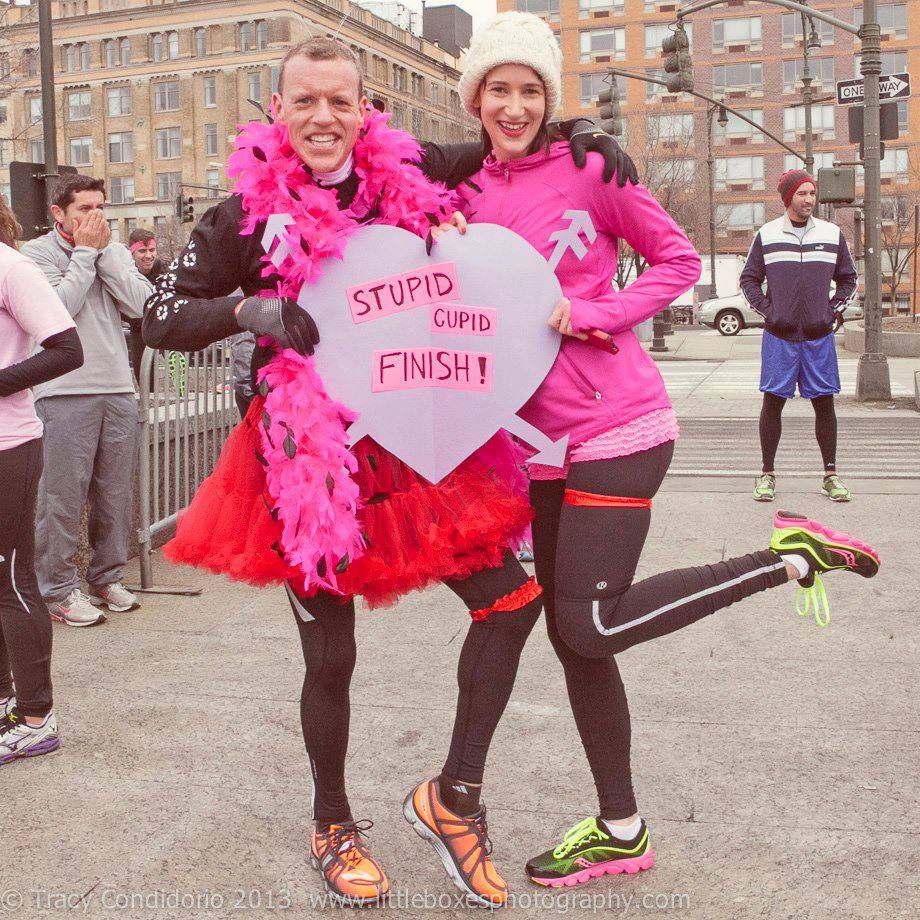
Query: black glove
[
  {"x": 584, "y": 136},
  {"x": 282, "y": 319},
  {"x": 261, "y": 355}
]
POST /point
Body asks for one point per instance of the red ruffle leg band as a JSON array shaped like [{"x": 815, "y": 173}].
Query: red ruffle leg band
[{"x": 520, "y": 597}]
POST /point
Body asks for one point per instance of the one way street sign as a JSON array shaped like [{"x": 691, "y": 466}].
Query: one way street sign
[{"x": 893, "y": 86}]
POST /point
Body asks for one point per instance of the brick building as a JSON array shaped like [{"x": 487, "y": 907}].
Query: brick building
[
  {"x": 149, "y": 92},
  {"x": 749, "y": 54}
]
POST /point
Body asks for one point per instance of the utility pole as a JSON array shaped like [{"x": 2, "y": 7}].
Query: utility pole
[
  {"x": 711, "y": 164},
  {"x": 49, "y": 119},
  {"x": 872, "y": 376}
]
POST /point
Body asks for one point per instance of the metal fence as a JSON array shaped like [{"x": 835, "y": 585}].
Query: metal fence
[{"x": 187, "y": 409}]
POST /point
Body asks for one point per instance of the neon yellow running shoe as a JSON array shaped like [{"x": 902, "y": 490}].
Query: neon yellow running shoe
[{"x": 824, "y": 550}]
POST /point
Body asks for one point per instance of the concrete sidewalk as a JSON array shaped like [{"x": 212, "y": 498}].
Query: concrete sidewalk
[{"x": 776, "y": 762}]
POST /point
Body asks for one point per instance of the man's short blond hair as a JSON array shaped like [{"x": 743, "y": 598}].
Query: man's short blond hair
[{"x": 322, "y": 49}]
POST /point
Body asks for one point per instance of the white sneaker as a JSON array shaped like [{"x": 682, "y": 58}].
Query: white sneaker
[
  {"x": 114, "y": 596},
  {"x": 20, "y": 740},
  {"x": 6, "y": 705},
  {"x": 76, "y": 610}
]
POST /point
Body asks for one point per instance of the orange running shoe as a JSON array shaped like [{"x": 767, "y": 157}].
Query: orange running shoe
[
  {"x": 350, "y": 874},
  {"x": 462, "y": 843}
]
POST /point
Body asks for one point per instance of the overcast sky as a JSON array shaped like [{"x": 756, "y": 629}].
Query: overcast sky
[{"x": 478, "y": 9}]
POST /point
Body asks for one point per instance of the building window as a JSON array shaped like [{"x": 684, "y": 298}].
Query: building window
[
  {"x": 81, "y": 151},
  {"x": 210, "y": 92},
  {"x": 70, "y": 60},
  {"x": 587, "y": 7},
  {"x": 212, "y": 180},
  {"x": 201, "y": 42},
  {"x": 124, "y": 47},
  {"x": 736, "y": 34},
  {"x": 246, "y": 43},
  {"x": 276, "y": 76},
  {"x": 168, "y": 143},
  {"x": 172, "y": 45},
  {"x": 538, "y": 7},
  {"x": 738, "y": 130},
  {"x": 156, "y": 45},
  {"x": 166, "y": 96},
  {"x": 602, "y": 44},
  {"x": 822, "y": 122},
  {"x": 130, "y": 225},
  {"x": 655, "y": 35},
  {"x": 36, "y": 151},
  {"x": 591, "y": 85},
  {"x": 792, "y": 30},
  {"x": 121, "y": 147},
  {"x": 892, "y": 17},
  {"x": 84, "y": 56},
  {"x": 746, "y": 216},
  {"x": 255, "y": 86},
  {"x": 822, "y": 71},
  {"x": 3, "y": 113},
  {"x": 168, "y": 185},
  {"x": 737, "y": 78},
  {"x": 118, "y": 101},
  {"x": 732, "y": 172},
  {"x": 654, "y": 90},
  {"x": 30, "y": 62},
  {"x": 110, "y": 52},
  {"x": 35, "y": 109},
  {"x": 261, "y": 35},
  {"x": 4, "y": 154},
  {"x": 121, "y": 190},
  {"x": 896, "y": 165},
  {"x": 115, "y": 231},
  {"x": 79, "y": 106},
  {"x": 902, "y": 117},
  {"x": 4, "y": 66},
  {"x": 210, "y": 140},
  {"x": 822, "y": 161},
  {"x": 670, "y": 129}
]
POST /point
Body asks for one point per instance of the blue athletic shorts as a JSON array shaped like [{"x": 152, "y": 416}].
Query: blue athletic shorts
[{"x": 812, "y": 365}]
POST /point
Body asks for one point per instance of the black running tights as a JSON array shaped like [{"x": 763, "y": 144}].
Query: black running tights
[
  {"x": 771, "y": 428},
  {"x": 25, "y": 625},
  {"x": 485, "y": 675},
  {"x": 586, "y": 557}
]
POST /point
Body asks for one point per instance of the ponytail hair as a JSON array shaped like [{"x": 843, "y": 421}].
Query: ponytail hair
[{"x": 10, "y": 231}]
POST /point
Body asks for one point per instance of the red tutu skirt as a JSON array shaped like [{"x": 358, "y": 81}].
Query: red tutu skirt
[{"x": 417, "y": 533}]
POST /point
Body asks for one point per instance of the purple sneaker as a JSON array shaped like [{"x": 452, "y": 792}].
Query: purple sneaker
[{"x": 17, "y": 739}]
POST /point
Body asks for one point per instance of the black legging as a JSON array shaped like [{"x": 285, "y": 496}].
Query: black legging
[
  {"x": 485, "y": 675},
  {"x": 585, "y": 558},
  {"x": 771, "y": 428},
  {"x": 25, "y": 624}
]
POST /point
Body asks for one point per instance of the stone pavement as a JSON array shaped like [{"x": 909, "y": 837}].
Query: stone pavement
[{"x": 776, "y": 762}]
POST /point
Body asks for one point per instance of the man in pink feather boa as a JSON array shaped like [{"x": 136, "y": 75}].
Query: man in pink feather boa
[{"x": 332, "y": 162}]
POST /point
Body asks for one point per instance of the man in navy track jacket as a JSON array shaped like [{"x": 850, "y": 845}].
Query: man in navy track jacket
[{"x": 799, "y": 257}]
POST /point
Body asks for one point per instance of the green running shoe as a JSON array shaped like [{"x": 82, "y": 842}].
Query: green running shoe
[
  {"x": 824, "y": 550},
  {"x": 765, "y": 488},
  {"x": 835, "y": 490},
  {"x": 589, "y": 851}
]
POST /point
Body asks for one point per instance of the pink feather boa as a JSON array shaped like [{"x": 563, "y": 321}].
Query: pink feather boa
[{"x": 308, "y": 464}]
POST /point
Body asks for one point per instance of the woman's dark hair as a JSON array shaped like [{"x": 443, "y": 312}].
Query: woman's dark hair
[{"x": 10, "y": 231}]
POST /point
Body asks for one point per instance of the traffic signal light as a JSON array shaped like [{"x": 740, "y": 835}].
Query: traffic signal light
[
  {"x": 186, "y": 209},
  {"x": 611, "y": 116},
  {"x": 677, "y": 63}
]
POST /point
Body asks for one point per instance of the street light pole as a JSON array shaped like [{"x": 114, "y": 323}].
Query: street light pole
[
  {"x": 806, "y": 99},
  {"x": 711, "y": 163},
  {"x": 49, "y": 119},
  {"x": 872, "y": 376}
]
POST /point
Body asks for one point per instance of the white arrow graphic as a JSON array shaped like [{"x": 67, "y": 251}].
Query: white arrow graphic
[
  {"x": 551, "y": 453},
  {"x": 274, "y": 230},
  {"x": 893, "y": 86},
  {"x": 570, "y": 238}
]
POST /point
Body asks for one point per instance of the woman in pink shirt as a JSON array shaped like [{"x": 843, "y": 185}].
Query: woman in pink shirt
[
  {"x": 592, "y": 518},
  {"x": 30, "y": 312}
]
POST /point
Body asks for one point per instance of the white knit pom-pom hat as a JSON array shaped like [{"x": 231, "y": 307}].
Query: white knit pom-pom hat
[{"x": 512, "y": 38}]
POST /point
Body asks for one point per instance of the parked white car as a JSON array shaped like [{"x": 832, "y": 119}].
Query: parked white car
[{"x": 732, "y": 314}]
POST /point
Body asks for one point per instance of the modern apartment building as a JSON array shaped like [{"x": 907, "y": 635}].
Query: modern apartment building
[
  {"x": 750, "y": 55},
  {"x": 150, "y": 92}
]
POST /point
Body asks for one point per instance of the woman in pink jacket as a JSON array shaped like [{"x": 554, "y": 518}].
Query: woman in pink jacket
[{"x": 592, "y": 518}]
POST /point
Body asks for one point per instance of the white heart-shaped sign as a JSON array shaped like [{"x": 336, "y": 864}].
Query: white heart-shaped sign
[{"x": 436, "y": 353}]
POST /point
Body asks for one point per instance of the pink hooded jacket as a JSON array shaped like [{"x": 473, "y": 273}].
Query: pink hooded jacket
[{"x": 589, "y": 391}]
